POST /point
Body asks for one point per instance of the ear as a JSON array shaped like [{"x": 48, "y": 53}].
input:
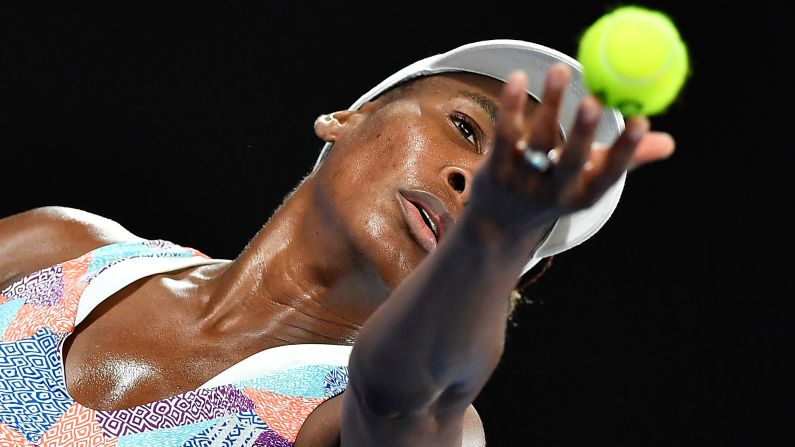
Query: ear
[{"x": 331, "y": 126}]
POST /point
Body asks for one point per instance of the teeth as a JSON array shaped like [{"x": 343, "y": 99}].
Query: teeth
[{"x": 430, "y": 222}]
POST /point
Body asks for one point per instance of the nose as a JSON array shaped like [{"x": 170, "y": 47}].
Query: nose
[{"x": 459, "y": 180}]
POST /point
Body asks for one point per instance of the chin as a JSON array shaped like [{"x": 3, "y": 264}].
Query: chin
[{"x": 390, "y": 249}]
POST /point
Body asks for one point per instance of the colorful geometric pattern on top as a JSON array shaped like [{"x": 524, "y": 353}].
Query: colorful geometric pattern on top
[{"x": 38, "y": 311}]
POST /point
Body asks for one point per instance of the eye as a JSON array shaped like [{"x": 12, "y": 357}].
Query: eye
[{"x": 468, "y": 129}]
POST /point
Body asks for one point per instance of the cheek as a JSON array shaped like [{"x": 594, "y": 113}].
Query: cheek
[
  {"x": 383, "y": 241},
  {"x": 400, "y": 145},
  {"x": 418, "y": 154},
  {"x": 393, "y": 148}
]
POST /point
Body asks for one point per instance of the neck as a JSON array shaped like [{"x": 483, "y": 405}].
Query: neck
[{"x": 299, "y": 280}]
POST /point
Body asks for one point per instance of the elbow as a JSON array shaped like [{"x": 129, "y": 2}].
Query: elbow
[
  {"x": 386, "y": 394},
  {"x": 439, "y": 390}
]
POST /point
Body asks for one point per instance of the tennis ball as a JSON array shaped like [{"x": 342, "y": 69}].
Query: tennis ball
[{"x": 633, "y": 59}]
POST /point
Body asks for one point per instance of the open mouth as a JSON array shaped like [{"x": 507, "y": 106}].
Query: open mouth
[
  {"x": 425, "y": 216},
  {"x": 428, "y": 221}
]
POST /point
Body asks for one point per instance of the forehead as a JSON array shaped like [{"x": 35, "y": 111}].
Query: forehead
[
  {"x": 449, "y": 83},
  {"x": 483, "y": 90},
  {"x": 459, "y": 80}
]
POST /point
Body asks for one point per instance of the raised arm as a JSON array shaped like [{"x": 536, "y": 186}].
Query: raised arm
[{"x": 425, "y": 354}]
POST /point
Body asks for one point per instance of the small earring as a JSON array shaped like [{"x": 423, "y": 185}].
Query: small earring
[{"x": 325, "y": 118}]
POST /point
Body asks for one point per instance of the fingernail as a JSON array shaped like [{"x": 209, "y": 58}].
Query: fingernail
[
  {"x": 555, "y": 79},
  {"x": 589, "y": 112},
  {"x": 516, "y": 81},
  {"x": 670, "y": 146},
  {"x": 671, "y": 142},
  {"x": 638, "y": 129}
]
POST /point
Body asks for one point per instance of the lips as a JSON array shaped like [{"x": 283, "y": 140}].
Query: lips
[{"x": 426, "y": 216}]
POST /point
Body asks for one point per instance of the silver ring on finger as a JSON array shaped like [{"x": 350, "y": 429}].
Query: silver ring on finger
[{"x": 537, "y": 160}]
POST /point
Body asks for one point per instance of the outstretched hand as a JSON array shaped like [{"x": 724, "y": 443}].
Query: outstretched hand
[{"x": 514, "y": 195}]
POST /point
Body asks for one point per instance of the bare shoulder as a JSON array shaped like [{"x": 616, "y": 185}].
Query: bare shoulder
[{"x": 40, "y": 237}]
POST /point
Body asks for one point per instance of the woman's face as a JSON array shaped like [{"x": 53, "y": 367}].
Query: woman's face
[{"x": 401, "y": 168}]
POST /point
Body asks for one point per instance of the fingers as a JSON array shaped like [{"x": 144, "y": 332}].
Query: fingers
[
  {"x": 617, "y": 158},
  {"x": 546, "y": 131},
  {"x": 580, "y": 175},
  {"x": 577, "y": 149},
  {"x": 510, "y": 125},
  {"x": 652, "y": 147}
]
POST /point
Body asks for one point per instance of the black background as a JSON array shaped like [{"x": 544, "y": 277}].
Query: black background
[{"x": 672, "y": 326}]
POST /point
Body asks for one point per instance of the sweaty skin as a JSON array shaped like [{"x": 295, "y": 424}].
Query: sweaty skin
[{"x": 328, "y": 261}]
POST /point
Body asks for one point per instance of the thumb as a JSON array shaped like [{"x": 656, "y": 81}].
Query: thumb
[{"x": 652, "y": 147}]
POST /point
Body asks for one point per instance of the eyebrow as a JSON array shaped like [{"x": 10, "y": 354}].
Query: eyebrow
[{"x": 486, "y": 104}]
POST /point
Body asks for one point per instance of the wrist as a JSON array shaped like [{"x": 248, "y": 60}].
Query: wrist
[{"x": 521, "y": 239}]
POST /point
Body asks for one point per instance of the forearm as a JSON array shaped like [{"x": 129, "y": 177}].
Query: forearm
[{"x": 441, "y": 332}]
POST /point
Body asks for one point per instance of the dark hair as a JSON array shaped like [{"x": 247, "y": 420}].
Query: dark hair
[{"x": 521, "y": 293}]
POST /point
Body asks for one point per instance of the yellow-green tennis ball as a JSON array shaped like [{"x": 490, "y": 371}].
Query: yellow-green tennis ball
[{"x": 633, "y": 59}]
